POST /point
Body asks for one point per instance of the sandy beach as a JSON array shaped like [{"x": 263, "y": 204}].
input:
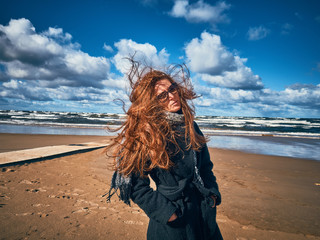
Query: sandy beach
[{"x": 263, "y": 197}]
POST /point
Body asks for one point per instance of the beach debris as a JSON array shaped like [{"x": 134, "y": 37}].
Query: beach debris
[{"x": 24, "y": 214}]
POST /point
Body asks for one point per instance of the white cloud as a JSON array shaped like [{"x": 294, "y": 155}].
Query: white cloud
[
  {"x": 25, "y": 91},
  {"x": 257, "y": 33},
  {"x": 179, "y": 9},
  {"x": 32, "y": 91},
  {"x": 200, "y": 11},
  {"x": 218, "y": 66},
  {"x": 48, "y": 67},
  {"x": 306, "y": 95},
  {"x": 145, "y": 53},
  {"x": 116, "y": 82},
  {"x": 49, "y": 57},
  {"x": 219, "y": 95},
  {"x": 58, "y": 33},
  {"x": 107, "y": 48},
  {"x": 298, "y": 100},
  {"x": 12, "y": 84},
  {"x": 208, "y": 55},
  {"x": 241, "y": 78}
]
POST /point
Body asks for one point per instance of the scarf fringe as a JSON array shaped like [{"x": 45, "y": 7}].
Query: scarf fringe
[{"x": 121, "y": 183}]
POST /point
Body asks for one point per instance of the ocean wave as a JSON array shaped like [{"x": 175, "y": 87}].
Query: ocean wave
[{"x": 211, "y": 125}]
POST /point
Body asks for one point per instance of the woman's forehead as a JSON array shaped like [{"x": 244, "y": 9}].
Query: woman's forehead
[{"x": 162, "y": 84}]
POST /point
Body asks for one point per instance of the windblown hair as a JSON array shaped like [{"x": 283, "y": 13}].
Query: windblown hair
[{"x": 142, "y": 143}]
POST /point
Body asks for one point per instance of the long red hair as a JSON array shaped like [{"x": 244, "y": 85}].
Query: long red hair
[{"x": 142, "y": 143}]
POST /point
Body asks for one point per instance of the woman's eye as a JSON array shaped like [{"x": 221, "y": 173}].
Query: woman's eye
[{"x": 161, "y": 95}]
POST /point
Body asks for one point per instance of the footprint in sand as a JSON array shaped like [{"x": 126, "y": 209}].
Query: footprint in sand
[
  {"x": 60, "y": 196},
  {"x": 81, "y": 210},
  {"x": 36, "y": 190},
  {"x": 29, "y": 182},
  {"x": 65, "y": 174},
  {"x": 7, "y": 170},
  {"x": 4, "y": 197},
  {"x": 113, "y": 210},
  {"x": 81, "y": 202},
  {"x": 40, "y": 205},
  {"x": 43, "y": 215},
  {"x": 31, "y": 230}
]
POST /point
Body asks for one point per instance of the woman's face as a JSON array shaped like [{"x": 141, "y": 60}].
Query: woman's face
[{"x": 170, "y": 99}]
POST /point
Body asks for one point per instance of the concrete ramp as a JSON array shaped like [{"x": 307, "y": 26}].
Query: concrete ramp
[{"x": 47, "y": 152}]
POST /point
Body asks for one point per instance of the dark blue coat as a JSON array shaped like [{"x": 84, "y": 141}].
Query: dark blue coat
[{"x": 196, "y": 217}]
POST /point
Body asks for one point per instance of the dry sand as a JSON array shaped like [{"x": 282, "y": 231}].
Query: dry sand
[{"x": 263, "y": 197}]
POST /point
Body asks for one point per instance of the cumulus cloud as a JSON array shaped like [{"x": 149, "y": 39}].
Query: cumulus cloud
[
  {"x": 295, "y": 100},
  {"x": 22, "y": 91},
  {"x": 241, "y": 78},
  {"x": 146, "y": 53},
  {"x": 216, "y": 65},
  {"x": 225, "y": 95},
  {"x": 208, "y": 55},
  {"x": 25, "y": 91},
  {"x": 49, "y": 57},
  {"x": 200, "y": 11},
  {"x": 257, "y": 33},
  {"x": 307, "y": 95}
]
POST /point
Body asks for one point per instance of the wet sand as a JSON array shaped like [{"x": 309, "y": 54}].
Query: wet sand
[{"x": 263, "y": 197}]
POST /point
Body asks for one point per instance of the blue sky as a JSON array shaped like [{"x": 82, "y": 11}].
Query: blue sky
[{"x": 247, "y": 58}]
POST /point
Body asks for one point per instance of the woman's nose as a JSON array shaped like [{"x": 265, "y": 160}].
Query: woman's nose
[{"x": 171, "y": 95}]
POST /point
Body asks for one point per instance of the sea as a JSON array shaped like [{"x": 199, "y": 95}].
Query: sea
[{"x": 290, "y": 137}]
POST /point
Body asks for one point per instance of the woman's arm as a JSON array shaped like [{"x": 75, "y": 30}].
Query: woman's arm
[{"x": 153, "y": 203}]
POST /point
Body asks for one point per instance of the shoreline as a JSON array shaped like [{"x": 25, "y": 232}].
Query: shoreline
[
  {"x": 263, "y": 145},
  {"x": 263, "y": 197}
]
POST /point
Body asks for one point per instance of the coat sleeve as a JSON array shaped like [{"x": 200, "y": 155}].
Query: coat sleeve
[
  {"x": 205, "y": 168},
  {"x": 153, "y": 203}
]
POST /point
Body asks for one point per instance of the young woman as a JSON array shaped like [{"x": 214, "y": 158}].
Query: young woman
[{"x": 160, "y": 138}]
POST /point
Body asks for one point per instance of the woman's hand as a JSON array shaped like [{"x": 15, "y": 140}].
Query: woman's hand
[
  {"x": 173, "y": 217},
  {"x": 214, "y": 198}
]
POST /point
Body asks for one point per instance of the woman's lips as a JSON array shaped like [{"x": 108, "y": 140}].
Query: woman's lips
[{"x": 174, "y": 103}]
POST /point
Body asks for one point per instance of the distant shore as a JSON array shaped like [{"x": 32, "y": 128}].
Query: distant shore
[{"x": 263, "y": 197}]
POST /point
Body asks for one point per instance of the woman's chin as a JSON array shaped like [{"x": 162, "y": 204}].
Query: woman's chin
[{"x": 174, "y": 109}]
